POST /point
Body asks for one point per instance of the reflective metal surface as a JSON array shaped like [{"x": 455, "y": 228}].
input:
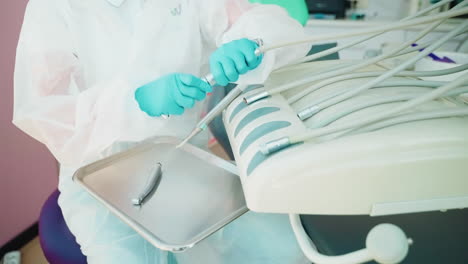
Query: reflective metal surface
[
  {"x": 275, "y": 145},
  {"x": 256, "y": 97},
  {"x": 196, "y": 194},
  {"x": 209, "y": 78},
  {"x": 308, "y": 112},
  {"x": 218, "y": 109},
  {"x": 154, "y": 178}
]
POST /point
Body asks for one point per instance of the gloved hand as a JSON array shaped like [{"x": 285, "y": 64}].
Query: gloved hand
[
  {"x": 232, "y": 59},
  {"x": 171, "y": 94}
]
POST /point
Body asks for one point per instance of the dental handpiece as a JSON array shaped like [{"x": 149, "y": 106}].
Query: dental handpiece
[
  {"x": 209, "y": 78},
  {"x": 150, "y": 186},
  {"x": 212, "y": 114}
]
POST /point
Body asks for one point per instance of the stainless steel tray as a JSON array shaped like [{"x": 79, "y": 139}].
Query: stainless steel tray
[{"x": 197, "y": 194}]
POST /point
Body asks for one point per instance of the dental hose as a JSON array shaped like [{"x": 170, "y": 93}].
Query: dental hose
[
  {"x": 373, "y": 30},
  {"x": 284, "y": 142},
  {"x": 262, "y": 49}
]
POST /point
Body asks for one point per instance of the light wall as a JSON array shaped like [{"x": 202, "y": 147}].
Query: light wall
[{"x": 27, "y": 171}]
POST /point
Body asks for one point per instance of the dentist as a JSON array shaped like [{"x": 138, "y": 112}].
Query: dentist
[{"x": 93, "y": 78}]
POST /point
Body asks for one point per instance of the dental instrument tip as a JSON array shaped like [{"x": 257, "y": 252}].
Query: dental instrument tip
[
  {"x": 183, "y": 142},
  {"x": 192, "y": 134},
  {"x": 209, "y": 78},
  {"x": 256, "y": 97},
  {"x": 259, "y": 50},
  {"x": 308, "y": 112},
  {"x": 275, "y": 145},
  {"x": 264, "y": 149},
  {"x": 136, "y": 201}
]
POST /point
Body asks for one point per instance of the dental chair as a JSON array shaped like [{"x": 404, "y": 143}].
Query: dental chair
[
  {"x": 435, "y": 233},
  {"x": 57, "y": 242},
  {"x": 439, "y": 237}
]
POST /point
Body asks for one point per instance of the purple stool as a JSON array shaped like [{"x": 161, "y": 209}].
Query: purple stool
[{"x": 57, "y": 242}]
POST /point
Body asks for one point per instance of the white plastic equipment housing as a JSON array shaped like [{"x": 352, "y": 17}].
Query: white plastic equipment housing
[{"x": 412, "y": 167}]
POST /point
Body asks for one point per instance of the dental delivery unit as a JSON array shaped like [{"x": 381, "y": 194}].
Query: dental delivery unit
[{"x": 342, "y": 138}]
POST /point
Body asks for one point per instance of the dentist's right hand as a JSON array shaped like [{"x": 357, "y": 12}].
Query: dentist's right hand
[{"x": 171, "y": 94}]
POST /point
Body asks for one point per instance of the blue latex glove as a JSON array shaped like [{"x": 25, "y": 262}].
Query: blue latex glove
[
  {"x": 171, "y": 94},
  {"x": 232, "y": 59}
]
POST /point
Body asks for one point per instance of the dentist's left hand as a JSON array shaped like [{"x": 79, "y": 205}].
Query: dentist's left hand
[
  {"x": 233, "y": 59},
  {"x": 171, "y": 94}
]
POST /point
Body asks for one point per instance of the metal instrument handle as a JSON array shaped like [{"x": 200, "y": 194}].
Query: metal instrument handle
[{"x": 152, "y": 182}]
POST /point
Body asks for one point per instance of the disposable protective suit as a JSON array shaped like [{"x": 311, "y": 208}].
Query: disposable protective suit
[{"x": 78, "y": 65}]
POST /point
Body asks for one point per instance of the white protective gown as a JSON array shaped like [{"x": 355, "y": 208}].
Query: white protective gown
[{"x": 78, "y": 65}]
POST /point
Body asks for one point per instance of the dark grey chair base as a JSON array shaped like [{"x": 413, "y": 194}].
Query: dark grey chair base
[{"x": 439, "y": 238}]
